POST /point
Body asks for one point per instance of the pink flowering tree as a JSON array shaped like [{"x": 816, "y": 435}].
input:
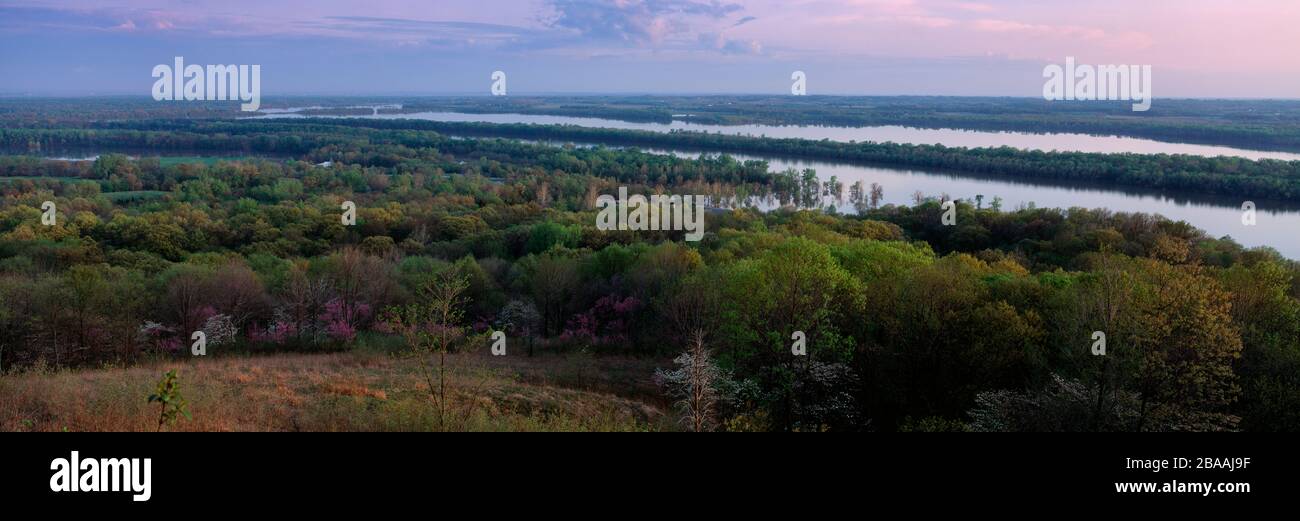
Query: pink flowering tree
[{"x": 607, "y": 322}]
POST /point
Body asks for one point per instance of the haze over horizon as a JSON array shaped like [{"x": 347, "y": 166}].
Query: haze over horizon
[{"x": 1202, "y": 49}]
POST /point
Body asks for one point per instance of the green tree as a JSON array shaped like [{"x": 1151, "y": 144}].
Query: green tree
[
  {"x": 430, "y": 327},
  {"x": 1269, "y": 319},
  {"x": 171, "y": 405}
]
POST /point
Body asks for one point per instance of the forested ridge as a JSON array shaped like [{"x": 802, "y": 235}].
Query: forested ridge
[{"x": 910, "y": 324}]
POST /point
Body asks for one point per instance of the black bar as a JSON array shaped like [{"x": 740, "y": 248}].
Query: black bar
[{"x": 318, "y": 471}]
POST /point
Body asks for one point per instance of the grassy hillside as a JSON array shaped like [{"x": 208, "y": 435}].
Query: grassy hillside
[{"x": 340, "y": 392}]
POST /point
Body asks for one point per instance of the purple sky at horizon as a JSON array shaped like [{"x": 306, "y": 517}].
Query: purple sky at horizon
[{"x": 1197, "y": 48}]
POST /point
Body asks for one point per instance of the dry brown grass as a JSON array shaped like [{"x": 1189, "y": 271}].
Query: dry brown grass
[{"x": 340, "y": 392}]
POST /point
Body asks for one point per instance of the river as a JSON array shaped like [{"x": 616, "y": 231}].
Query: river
[
  {"x": 1277, "y": 223},
  {"x": 881, "y": 134}
]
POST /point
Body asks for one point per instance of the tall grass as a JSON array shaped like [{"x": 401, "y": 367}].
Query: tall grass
[{"x": 355, "y": 391}]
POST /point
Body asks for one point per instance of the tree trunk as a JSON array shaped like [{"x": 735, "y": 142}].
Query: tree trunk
[{"x": 442, "y": 390}]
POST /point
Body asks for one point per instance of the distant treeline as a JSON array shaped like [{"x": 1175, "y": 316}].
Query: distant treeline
[
  {"x": 1257, "y": 124},
  {"x": 1222, "y": 176}
]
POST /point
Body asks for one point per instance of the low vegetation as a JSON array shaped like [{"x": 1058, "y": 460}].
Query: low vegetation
[{"x": 328, "y": 392}]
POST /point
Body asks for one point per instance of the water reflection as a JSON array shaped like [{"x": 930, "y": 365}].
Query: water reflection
[{"x": 920, "y": 136}]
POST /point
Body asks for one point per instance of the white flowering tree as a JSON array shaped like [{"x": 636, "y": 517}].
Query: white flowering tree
[
  {"x": 695, "y": 385},
  {"x": 219, "y": 329}
]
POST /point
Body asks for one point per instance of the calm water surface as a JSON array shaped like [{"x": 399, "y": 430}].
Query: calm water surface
[
  {"x": 1277, "y": 223},
  {"x": 896, "y": 134}
]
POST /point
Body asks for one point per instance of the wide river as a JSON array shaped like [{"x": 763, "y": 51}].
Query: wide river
[
  {"x": 896, "y": 134},
  {"x": 1277, "y": 223}
]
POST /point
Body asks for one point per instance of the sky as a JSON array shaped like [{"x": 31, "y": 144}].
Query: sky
[{"x": 1196, "y": 48}]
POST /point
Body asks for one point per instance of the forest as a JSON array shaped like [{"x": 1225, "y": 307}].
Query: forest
[
  {"x": 1222, "y": 176},
  {"x": 234, "y": 228},
  {"x": 1256, "y": 124}
]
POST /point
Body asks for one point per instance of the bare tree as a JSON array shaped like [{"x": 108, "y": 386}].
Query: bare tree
[
  {"x": 238, "y": 292},
  {"x": 693, "y": 306},
  {"x": 553, "y": 285},
  {"x": 431, "y": 326},
  {"x": 303, "y": 300},
  {"x": 857, "y": 196},
  {"x": 520, "y": 318},
  {"x": 695, "y": 385},
  {"x": 360, "y": 279},
  {"x": 185, "y": 296}
]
